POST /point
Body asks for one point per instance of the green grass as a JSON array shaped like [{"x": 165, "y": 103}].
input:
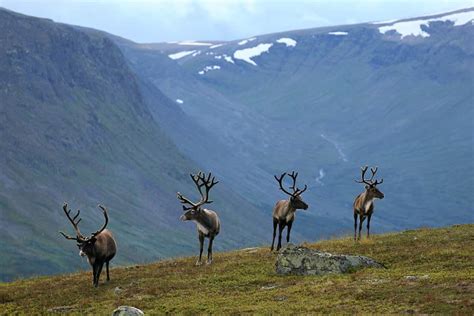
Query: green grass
[{"x": 245, "y": 281}]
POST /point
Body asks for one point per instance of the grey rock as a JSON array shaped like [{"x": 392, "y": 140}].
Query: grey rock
[
  {"x": 304, "y": 261},
  {"x": 127, "y": 311},
  {"x": 118, "y": 290}
]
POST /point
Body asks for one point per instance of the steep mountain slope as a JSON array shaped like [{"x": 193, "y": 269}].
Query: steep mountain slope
[
  {"x": 328, "y": 100},
  {"x": 76, "y": 126}
]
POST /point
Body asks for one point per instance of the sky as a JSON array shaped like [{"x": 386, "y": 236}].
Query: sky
[{"x": 147, "y": 21}]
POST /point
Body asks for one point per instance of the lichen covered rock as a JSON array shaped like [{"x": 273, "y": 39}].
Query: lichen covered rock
[
  {"x": 127, "y": 311},
  {"x": 304, "y": 261}
]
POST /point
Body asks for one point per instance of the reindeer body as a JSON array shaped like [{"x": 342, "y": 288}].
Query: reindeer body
[
  {"x": 364, "y": 202},
  {"x": 285, "y": 210},
  {"x": 103, "y": 249},
  {"x": 207, "y": 221},
  {"x": 100, "y": 248}
]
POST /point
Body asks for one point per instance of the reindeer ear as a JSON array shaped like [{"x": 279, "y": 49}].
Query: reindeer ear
[{"x": 367, "y": 187}]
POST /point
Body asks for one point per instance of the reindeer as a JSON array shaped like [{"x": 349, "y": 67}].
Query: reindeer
[
  {"x": 99, "y": 248},
  {"x": 284, "y": 210},
  {"x": 364, "y": 202},
  {"x": 207, "y": 221}
]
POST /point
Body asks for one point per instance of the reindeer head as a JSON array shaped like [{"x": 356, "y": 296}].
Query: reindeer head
[
  {"x": 295, "y": 198},
  {"x": 370, "y": 184},
  {"x": 193, "y": 210},
  {"x": 85, "y": 244}
]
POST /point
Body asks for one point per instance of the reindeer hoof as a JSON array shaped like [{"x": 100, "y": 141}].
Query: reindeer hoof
[
  {"x": 198, "y": 263},
  {"x": 209, "y": 261}
]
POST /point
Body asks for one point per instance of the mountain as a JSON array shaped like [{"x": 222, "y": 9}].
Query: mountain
[
  {"x": 76, "y": 126},
  {"x": 325, "y": 101},
  {"x": 434, "y": 281},
  {"x": 88, "y": 117}
]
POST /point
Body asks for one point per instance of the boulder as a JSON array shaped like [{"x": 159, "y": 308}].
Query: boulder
[
  {"x": 127, "y": 311},
  {"x": 304, "y": 261}
]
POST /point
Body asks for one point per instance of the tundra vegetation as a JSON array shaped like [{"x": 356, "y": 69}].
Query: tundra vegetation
[{"x": 428, "y": 271}]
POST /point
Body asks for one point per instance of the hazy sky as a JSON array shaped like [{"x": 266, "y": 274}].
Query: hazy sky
[{"x": 172, "y": 20}]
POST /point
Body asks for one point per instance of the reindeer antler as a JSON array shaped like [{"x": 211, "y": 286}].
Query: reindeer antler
[
  {"x": 79, "y": 236},
  {"x": 74, "y": 224},
  {"x": 200, "y": 181},
  {"x": 296, "y": 190},
  {"x": 104, "y": 211},
  {"x": 370, "y": 181}
]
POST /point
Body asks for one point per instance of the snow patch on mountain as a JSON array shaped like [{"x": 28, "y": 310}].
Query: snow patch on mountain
[
  {"x": 248, "y": 53},
  {"x": 179, "y": 101},
  {"x": 246, "y": 41},
  {"x": 286, "y": 40},
  {"x": 181, "y": 54},
  {"x": 215, "y": 46},
  {"x": 196, "y": 53},
  {"x": 338, "y": 33},
  {"x": 226, "y": 58},
  {"x": 209, "y": 68},
  {"x": 407, "y": 28},
  {"x": 194, "y": 43}
]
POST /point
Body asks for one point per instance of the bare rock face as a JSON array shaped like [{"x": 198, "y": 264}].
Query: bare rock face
[
  {"x": 127, "y": 311},
  {"x": 299, "y": 260}
]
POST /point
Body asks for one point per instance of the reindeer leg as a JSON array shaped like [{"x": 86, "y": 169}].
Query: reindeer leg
[
  {"x": 368, "y": 225},
  {"x": 94, "y": 273},
  {"x": 107, "y": 267},
  {"x": 275, "y": 224},
  {"x": 209, "y": 250},
  {"x": 361, "y": 220},
  {"x": 288, "y": 230},
  {"x": 201, "y": 247},
  {"x": 98, "y": 271},
  {"x": 281, "y": 226},
  {"x": 355, "y": 226}
]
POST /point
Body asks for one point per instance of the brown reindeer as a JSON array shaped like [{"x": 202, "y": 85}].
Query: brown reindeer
[
  {"x": 364, "y": 202},
  {"x": 207, "y": 221},
  {"x": 284, "y": 210},
  {"x": 99, "y": 248}
]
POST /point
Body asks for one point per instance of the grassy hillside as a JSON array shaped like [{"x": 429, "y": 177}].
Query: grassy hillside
[{"x": 441, "y": 260}]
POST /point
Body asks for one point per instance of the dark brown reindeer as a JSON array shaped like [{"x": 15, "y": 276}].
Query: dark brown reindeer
[
  {"x": 207, "y": 221},
  {"x": 364, "y": 202},
  {"x": 284, "y": 210},
  {"x": 99, "y": 248}
]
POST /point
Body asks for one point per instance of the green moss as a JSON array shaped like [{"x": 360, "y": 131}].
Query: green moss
[{"x": 244, "y": 281}]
